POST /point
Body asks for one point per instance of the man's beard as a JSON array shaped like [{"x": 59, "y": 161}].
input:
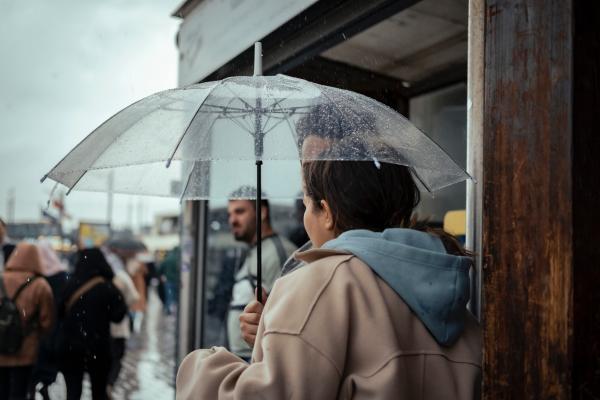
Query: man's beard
[{"x": 244, "y": 236}]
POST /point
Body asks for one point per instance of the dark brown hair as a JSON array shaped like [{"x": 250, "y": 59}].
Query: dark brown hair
[
  {"x": 361, "y": 194},
  {"x": 369, "y": 195}
]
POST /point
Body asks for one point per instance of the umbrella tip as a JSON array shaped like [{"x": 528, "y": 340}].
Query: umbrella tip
[
  {"x": 258, "y": 59},
  {"x": 43, "y": 178},
  {"x": 168, "y": 163}
]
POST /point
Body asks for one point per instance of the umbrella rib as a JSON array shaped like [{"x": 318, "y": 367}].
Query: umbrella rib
[
  {"x": 291, "y": 110},
  {"x": 237, "y": 96},
  {"x": 220, "y": 112},
  {"x": 275, "y": 125},
  {"x": 244, "y": 124},
  {"x": 191, "y": 121},
  {"x": 266, "y": 123},
  {"x": 76, "y": 182},
  {"x": 249, "y": 128},
  {"x": 187, "y": 183},
  {"x": 212, "y": 123},
  {"x": 241, "y": 111},
  {"x": 238, "y": 123},
  {"x": 233, "y": 118},
  {"x": 277, "y": 102},
  {"x": 420, "y": 180},
  {"x": 224, "y": 108},
  {"x": 227, "y": 107},
  {"x": 292, "y": 130}
]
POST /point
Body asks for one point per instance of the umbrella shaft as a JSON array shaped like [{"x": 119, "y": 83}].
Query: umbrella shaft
[
  {"x": 258, "y": 129},
  {"x": 258, "y": 233}
]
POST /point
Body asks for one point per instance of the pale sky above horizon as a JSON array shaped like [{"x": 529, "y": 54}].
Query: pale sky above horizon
[{"x": 67, "y": 66}]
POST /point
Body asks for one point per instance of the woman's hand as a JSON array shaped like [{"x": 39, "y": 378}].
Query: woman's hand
[{"x": 250, "y": 318}]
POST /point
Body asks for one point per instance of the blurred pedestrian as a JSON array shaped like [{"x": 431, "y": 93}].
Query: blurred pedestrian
[
  {"x": 159, "y": 256},
  {"x": 137, "y": 270},
  {"x": 152, "y": 273},
  {"x": 55, "y": 273},
  {"x": 169, "y": 275},
  {"x": 218, "y": 304},
  {"x": 119, "y": 331},
  {"x": 275, "y": 250},
  {"x": 375, "y": 304},
  {"x": 21, "y": 281},
  {"x": 90, "y": 302},
  {"x": 6, "y": 248}
]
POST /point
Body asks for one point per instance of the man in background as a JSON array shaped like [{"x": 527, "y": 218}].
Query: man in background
[{"x": 275, "y": 250}]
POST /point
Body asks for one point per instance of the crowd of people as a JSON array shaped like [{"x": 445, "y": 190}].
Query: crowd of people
[{"x": 68, "y": 318}]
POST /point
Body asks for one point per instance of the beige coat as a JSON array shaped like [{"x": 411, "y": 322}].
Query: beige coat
[
  {"x": 24, "y": 262},
  {"x": 334, "y": 330}
]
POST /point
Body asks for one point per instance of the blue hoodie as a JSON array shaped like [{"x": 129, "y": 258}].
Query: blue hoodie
[{"x": 433, "y": 283}]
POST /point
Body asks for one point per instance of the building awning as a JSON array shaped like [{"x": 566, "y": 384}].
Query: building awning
[{"x": 214, "y": 32}]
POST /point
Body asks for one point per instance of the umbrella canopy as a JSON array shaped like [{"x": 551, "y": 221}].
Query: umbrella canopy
[{"x": 202, "y": 141}]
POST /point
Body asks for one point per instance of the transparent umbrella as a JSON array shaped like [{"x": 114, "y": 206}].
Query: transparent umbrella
[{"x": 206, "y": 140}]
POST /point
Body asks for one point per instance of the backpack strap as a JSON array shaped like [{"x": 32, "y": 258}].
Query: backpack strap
[
  {"x": 252, "y": 280},
  {"x": 31, "y": 324},
  {"x": 281, "y": 254},
  {"x": 82, "y": 289},
  {"x": 23, "y": 286}
]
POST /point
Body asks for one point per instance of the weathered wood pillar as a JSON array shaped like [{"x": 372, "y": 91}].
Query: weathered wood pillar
[
  {"x": 586, "y": 200},
  {"x": 527, "y": 185},
  {"x": 541, "y": 199}
]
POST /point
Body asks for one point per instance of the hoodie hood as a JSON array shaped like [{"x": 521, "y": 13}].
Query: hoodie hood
[
  {"x": 90, "y": 263},
  {"x": 26, "y": 257},
  {"x": 433, "y": 283}
]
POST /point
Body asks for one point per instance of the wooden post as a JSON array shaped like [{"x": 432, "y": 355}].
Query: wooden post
[
  {"x": 528, "y": 199},
  {"x": 586, "y": 193}
]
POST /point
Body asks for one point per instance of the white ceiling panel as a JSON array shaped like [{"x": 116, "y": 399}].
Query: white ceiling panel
[{"x": 412, "y": 44}]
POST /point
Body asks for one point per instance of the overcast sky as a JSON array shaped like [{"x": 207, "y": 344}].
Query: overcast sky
[{"x": 66, "y": 66}]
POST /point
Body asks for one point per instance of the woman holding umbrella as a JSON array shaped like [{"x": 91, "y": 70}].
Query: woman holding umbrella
[{"x": 379, "y": 311}]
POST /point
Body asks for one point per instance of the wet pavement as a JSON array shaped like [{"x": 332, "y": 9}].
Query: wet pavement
[{"x": 148, "y": 371}]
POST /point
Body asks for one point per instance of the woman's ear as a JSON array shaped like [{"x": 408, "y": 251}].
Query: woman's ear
[{"x": 327, "y": 215}]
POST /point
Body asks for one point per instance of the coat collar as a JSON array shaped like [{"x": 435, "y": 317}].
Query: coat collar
[{"x": 312, "y": 255}]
